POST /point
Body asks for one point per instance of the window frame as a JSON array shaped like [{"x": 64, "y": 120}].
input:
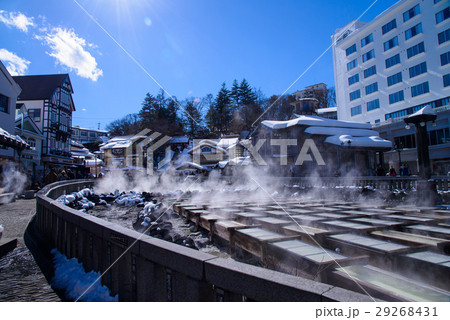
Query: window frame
[
  {"x": 412, "y": 30},
  {"x": 418, "y": 69},
  {"x": 376, "y": 102},
  {"x": 424, "y": 88},
  {"x": 396, "y": 77},
  {"x": 414, "y": 13},
  {"x": 396, "y": 97},
  {"x": 391, "y": 25},
  {"x": 412, "y": 52}
]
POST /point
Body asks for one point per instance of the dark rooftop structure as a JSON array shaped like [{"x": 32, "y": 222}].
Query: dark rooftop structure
[{"x": 39, "y": 87}]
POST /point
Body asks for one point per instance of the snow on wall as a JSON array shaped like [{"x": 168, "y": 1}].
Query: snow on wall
[
  {"x": 375, "y": 141},
  {"x": 314, "y": 121},
  {"x": 332, "y": 131},
  {"x": 71, "y": 277}
]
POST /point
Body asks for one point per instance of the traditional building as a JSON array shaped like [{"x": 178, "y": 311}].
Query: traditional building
[
  {"x": 30, "y": 159},
  {"x": 86, "y": 136},
  {"x": 48, "y": 99},
  {"x": 308, "y": 145}
]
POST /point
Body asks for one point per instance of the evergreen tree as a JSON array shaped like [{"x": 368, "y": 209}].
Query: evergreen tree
[
  {"x": 235, "y": 94},
  {"x": 222, "y": 109},
  {"x": 246, "y": 94},
  {"x": 192, "y": 117}
]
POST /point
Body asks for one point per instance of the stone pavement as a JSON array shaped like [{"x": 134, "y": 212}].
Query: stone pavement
[{"x": 20, "y": 277}]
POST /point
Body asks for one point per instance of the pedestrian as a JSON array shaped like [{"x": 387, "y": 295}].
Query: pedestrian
[
  {"x": 62, "y": 176},
  {"x": 380, "y": 171},
  {"x": 392, "y": 172},
  {"x": 70, "y": 174},
  {"x": 406, "y": 170},
  {"x": 401, "y": 170},
  {"x": 52, "y": 176}
]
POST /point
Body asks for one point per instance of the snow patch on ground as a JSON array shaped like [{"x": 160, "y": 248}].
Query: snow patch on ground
[{"x": 71, "y": 277}]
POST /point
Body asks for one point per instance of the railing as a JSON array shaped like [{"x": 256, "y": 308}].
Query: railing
[
  {"x": 386, "y": 183},
  {"x": 141, "y": 268}
]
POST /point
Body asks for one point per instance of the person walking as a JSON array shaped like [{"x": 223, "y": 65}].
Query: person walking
[{"x": 392, "y": 172}]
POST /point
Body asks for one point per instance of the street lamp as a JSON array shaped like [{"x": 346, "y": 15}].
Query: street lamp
[
  {"x": 399, "y": 148},
  {"x": 425, "y": 187},
  {"x": 420, "y": 119}
]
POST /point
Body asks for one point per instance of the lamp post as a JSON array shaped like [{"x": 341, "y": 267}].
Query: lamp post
[
  {"x": 425, "y": 187},
  {"x": 399, "y": 148},
  {"x": 420, "y": 119}
]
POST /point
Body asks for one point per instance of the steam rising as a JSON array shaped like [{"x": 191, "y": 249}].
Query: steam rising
[{"x": 13, "y": 181}]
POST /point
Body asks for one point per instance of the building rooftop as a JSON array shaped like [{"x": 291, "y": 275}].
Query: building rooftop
[{"x": 39, "y": 87}]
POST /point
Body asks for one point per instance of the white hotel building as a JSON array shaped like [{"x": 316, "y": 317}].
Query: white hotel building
[{"x": 393, "y": 66}]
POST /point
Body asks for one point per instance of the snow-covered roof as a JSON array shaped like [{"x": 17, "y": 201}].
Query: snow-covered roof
[
  {"x": 314, "y": 121},
  {"x": 331, "y": 131},
  {"x": 326, "y": 110},
  {"x": 179, "y": 140},
  {"x": 188, "y": 164},
  {"x": 93, "y": 162},
  {"x": 241, "y": 161},
  {"x": 227, "y": 142},
  {"x": 425, "y": 110},
  {"x": 117, "y": 144},
  {"x": 81, "y": 154},
  {"x": 14, "y": 141},
  {"x": 348, "y": 140},
  {"x": 206, "y": 143}
]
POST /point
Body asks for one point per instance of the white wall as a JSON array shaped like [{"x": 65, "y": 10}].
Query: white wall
[{"x": 431, "y": 56}]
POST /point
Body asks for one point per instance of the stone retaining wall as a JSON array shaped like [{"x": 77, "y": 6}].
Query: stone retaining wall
[{"x": 142, "y": 268}]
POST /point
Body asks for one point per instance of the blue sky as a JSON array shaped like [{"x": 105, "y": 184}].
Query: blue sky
[{"x": 189, "y": 46}]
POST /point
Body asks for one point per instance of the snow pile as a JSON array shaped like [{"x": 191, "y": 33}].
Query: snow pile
[
  {"x": 71, "y": 277},
  {"x": 86, "y": 199},
  {"x": 130, "y": 198}
]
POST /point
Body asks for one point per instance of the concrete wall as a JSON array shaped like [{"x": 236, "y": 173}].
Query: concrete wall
[{"x": 143, "y": 268}]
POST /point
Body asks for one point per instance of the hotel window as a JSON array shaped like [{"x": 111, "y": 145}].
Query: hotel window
[
  {"x": 83, "y": 133},
  {"x": 371, "y": 88},
  {"x": 368, "y": 55},
  {"x": 366, "y": 40},
  {"x": 350, "y": 49},
  {"x": 443, "y": 15},
  {"x": 437, "y": 1},
  {"x": 414, "y": 31},
  {"x": 420, "y": 89},
  {"x": 370, "y": 71},
  {"x": 411, "y": 13},
  {"x": 35, "y": 114},
  {"x": 4, "y": 103},
  {"x": 439, "y": 136},
  {"x": 415, "y": 50},
  {"x": 389, "y": 26},
  {"x": 396, "y": 78},
  {"x": 391, "y": 44},
  {"x": 444, "y": 36},
  {"x": 372, "y": 105},
  {"x": 392, "y": 61},
  {"x": 356, "y": 110},
  {"x": 445, "y": 58},
  {"x": 352, "y": 64},
  {"x": 355, "y": 95},
  {"x": 396, "y": 97},
  {"x": 417, "y": 69},
  {"x": 353, "y": 79},
  {"x": 446, "y": 79}
]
